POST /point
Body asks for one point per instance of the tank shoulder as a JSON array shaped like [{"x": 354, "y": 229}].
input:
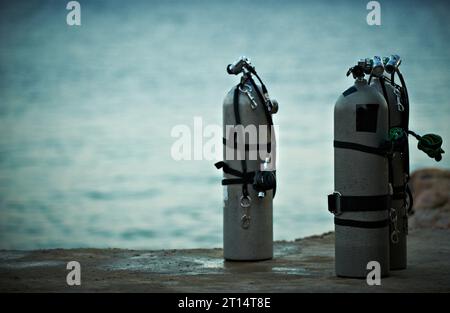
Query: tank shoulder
[
  {"x": 370, "y": 93},
  {"x": 359, "y": 94},
  {"x": 228, "y": 100}
]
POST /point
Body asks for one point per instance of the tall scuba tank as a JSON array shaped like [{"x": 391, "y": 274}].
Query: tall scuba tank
[
  {"x": 399, "y": 175},
  {"x": 431, "y": 144},
  {"x": 249, "y": 184},
  {"x": 361, "y": 178}
]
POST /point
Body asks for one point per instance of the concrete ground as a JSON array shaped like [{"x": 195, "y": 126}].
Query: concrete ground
[{"x": 305, "y": 265}]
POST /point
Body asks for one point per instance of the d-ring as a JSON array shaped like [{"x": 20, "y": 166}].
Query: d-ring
[
  {"x": 247, "y": 88},
  {"x": 245, "y": 222},
  {"x": 394, "y": 237},
  {"x": 245, "y": 201}
]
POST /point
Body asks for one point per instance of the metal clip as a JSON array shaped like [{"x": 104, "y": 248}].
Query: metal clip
[
  {"x": 245, "y": 221},
  {"x": 245, "y": 204},
  {"x": 268, "y": 102},
  {"x": 248, "y": 91},
  {"x": 395, "y": 232}
]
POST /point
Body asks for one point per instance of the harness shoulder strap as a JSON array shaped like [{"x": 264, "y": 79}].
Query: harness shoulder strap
[
  {"x": 361, "y": 224},
  {"x": 381, "y": 151},
  {"x": 338, "y": 204}
]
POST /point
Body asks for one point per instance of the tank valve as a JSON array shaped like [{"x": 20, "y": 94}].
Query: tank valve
[
  {"x": 361, "y": 68},
  {"x": 241, "y": 65},
  {"x": 392, "y": 63},
  {"x": 377, "y": 67}
]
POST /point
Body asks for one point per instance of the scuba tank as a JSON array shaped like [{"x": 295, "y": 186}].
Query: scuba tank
[
  {"x": 249, "y": 168},
  {"x": 398, "y": 168},
  {"x": 398, "y": 103},
  {"x": 394, "y": 150},
  {"x": 361, "y": 178}
]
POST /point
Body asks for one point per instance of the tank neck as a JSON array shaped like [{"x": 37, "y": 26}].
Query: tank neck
[{"x": 360, "y": 81}]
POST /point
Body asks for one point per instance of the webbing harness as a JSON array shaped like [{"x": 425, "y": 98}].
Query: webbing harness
[{"x": 245, "y": 178}]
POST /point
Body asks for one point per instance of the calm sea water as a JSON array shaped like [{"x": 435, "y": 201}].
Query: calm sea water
[{"x": 86, "y": 112}]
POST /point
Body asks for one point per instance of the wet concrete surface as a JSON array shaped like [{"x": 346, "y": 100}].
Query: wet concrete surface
[{"x": 304, "y": 265}]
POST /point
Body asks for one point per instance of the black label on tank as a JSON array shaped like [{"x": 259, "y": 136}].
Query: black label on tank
[
  {"x": 349, "y": 91},
  {"x": 366, "y": 117}
]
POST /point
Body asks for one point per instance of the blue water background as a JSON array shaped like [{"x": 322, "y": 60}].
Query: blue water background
[{"x": 86, "y": 112}]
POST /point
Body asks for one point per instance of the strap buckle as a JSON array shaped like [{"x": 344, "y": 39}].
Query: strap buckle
[{"x": 334, "y": 203}]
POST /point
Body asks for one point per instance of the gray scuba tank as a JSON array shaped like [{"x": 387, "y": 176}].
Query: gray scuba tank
[
  {"x": 351, "y": 171},
  {"x": 249, "y": 183},
  {"x": 361, "y": 179},
  {"x": 398, "y": 177},
  {"x": 398, "y": 151}
]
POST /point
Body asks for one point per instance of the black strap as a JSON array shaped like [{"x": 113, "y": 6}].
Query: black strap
[
  {"x": 361, "y": 224},
  {"x": 247, "y": 176},
  {"x": 266, "y": 110},
  {"x": 399, "y": 196},
  {"x": 399, "y": 192},
  {"x": 227, "y": 169},
  {"x": 233, "y": 181},
  {"x": 385, "y": 95},
  {"x": 265, "y": 92},
  {"x": 338, "y": 203},
  {"x": 247, "y": 146},
  {"x": 237, "y": 115},
  {"x": 405, "y": 120},
  {"x": 409, "y": 209},
  {"x": 261, "y": 98},
  {"x": 356, "y": 146},
  {"x": 237, "y": 118},
  {"x": 244, "y": 179},
  {"x": 405, "y": 101}
]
